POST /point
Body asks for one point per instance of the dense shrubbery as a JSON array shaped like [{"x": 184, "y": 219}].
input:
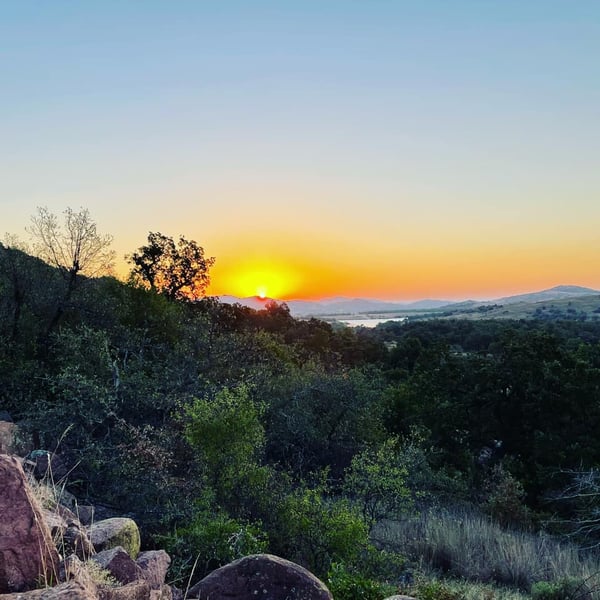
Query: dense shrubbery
[{"x": 227, "y": 430}]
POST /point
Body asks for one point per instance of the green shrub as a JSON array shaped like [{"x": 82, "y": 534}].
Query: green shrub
[
  {"x": 569, "y": 588},
  {"x": 315, "y": 530},
  {"x": 211, "y": 541},
  {"x": 505, "y": 500},
  {"x": 435, "y": 590},
  {"x": 345, "y": 583}
]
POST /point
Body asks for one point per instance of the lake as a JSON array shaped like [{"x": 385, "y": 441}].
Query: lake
[{"x": 369, "y": 322}]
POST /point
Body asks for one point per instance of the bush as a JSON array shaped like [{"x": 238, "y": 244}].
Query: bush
[
  {"x": 435, "y": 590},
  {"x": 209, "y": 542},
  {"x": 316, "y": 531},
  {"x": 346, "y": 583},
  {"x": 505, "y": 500},
  {"x": 569, "y": 588}
]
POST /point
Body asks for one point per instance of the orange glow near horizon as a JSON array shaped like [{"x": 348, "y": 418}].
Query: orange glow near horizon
[{"x": 400, "y": 274}]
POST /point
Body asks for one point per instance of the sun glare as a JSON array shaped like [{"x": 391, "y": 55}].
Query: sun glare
[
  {"x": 259, "y": 279},
  {"x": 261, "y": 292}
]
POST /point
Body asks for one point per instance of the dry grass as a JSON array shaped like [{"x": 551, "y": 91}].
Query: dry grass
[{"x": 471, "y": 547}]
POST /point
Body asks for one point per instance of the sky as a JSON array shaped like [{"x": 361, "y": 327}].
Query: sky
[{"x": 389, "y": 149}]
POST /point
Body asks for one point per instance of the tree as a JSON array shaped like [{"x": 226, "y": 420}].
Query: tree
[
  {"x": 226, "y": 431},
  {"x": 377, "y": 478},
  {"x": 583, "y": 496},
  {"x": 74, "y": 248},
  {"x": 179, "y": 271}
]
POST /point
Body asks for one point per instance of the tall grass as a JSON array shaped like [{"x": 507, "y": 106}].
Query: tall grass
[{"x": 470, "y": 546}]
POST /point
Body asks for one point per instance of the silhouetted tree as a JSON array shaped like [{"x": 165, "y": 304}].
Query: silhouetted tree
[{"x": 179, "y": 271}]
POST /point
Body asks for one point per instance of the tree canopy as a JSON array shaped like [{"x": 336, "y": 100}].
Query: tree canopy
[{"x": 179, "y": 270}]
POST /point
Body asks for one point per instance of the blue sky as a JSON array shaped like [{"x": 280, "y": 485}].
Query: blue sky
[{"x": 457, "y": 136}]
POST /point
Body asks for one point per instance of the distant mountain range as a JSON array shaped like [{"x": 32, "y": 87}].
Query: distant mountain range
[{"x": 362, "y": 306}]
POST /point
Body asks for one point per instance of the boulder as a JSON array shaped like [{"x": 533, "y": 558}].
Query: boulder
[
  {"x": 28, "y": 556},
  {"x": 48, "y": 466},
  {"x": 138, "y": 590},
  {"x": 261, "y": 576},
  {"x": 118, "y": 531},
  {"x": 120, "y": 565},
  {"x": 165, "y": 592},
  {"x": 7, "y": 437},
  {"x": 85, "y": 513},
  {"x": 72, "y": 590},
  {"x": 154, "y": 565}
]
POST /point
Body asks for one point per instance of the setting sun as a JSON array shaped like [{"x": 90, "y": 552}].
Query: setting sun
[
  {"x": 261, "y": 292},
  {"x": 256, "y": 276}
]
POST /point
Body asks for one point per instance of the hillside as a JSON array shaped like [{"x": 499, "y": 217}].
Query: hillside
[
  {"x": 226, "y": 431},
  {"x": 563, "y": 301}
]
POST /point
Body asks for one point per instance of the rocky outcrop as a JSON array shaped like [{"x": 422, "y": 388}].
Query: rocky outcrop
[
  {"x": 73, "y": 590},
  {"x": 29, "y": 558},
  {"x": 118, "y": 531},
  {"x": 260, "y": 576},
  {"x": 27, "y": 552}
]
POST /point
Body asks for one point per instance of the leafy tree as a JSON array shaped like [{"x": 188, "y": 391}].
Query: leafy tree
[
  {"x": 377, "y": 479},
  {"x": 179, "y": 271},
  {"x": 226, "y": 431},
  {"x": 315, "y": 530}
]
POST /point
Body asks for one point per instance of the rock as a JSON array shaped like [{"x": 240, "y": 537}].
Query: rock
[
  {"x": 70, "y": 568},
  {"x": 154, "y": 565},
  {"x": 400, "y": 597},
  {"x": 7, "y": 437},
  {"x": 163, "y": 593},
  {"x": 85, "y": 514},
  {"x": 76, "y": 540},
  {"x": 120, "y": 565},
  {"x": 261, "y": 576},
  {"x": 118, "y": 531},
  {"x": 67, "y": 532},
  {"x": 72, "y": 590},
  {"x": 27, "y": 553},
  {"x": 138, "y": 590},
  {"x": 48, "y": 466}
]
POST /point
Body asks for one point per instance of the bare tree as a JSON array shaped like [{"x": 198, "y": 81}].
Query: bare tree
[
  {"x": 74, "y": 247},
  {"x": 583, "y": 493}
]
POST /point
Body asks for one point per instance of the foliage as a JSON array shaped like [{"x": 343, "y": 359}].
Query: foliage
[
  {"x": 350, "y": 584},
  {"x": 210, "y": 540},
  {"x": 505, "y": 499},
  {"x": 316, "y": 530},
  {"x": 568, "y": 588},
  {"x": 226, "y": 430},
  {"x": 582, "y": 494},
  {"x": 177, "y": 270},
  {"x": 261, "y": 431},
  {"x": 436, "y": 590},
  {"x": 377, "y": 478}
]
